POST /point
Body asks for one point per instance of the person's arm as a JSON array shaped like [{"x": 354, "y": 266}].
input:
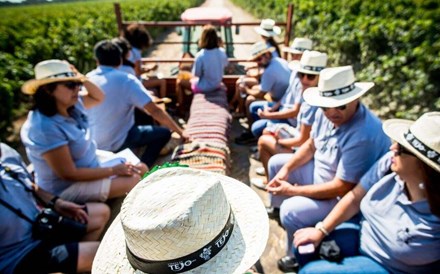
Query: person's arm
[
  {"x": 346, "y": 208},
  {"x": 255, "y": 91},
  {"x": 164, "y": 119},
  {"x": 94, "y": 95},
  {"x": 304, "y": 135},
  {"x": 282, "y": 114},
  {"x": 61, "y": 162}
]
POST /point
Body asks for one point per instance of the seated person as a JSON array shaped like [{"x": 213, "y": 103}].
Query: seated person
[
  {"x": 20, "y": 251},
  {"x": 400, "y": 232},
  {"x": 297, "y": 48},
  {"x": 58, "y": 142},
  {"x": 274, "y": 140}
]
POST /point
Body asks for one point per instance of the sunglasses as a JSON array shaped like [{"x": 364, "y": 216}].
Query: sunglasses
[
  {"x": 310, "y": 77},
  {"x": 402, "y": 150},
  {"x": 72, "y": 85},
  {"x": 343, "y": 107}
]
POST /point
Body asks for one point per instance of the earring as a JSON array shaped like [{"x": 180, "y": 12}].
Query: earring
[{"x": 422, "y": 185}]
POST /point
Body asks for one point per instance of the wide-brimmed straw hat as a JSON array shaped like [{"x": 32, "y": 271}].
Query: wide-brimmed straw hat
[
  {"x": 185, "y": 220},
  {"x": 259, "y": 49},
  {"x": 312, "y": 62},
  {"x": 336, "y": 87},
  {"x": 267, "y": 28},
  {"x": 421, "y": 137},
  {"x": 50, "y": 71},
  {"x": 299, "y": 45}
]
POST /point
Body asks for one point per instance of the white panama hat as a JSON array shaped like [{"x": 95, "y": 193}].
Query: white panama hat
[
  {"x": 312, "y": 62},
  {"x": 336, "y": 87},
  {"x": 178, "y": 218},
  {"x": 299, "y": 45},
  {"x": 50, "y": 71},
  {"x": 259, "y": 49},
  {"x": 421, "y": 137},
  {"x": 267, "y": 28}
]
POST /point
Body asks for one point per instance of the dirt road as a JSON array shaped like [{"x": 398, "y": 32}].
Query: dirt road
[{"x": 243, "y": 167}]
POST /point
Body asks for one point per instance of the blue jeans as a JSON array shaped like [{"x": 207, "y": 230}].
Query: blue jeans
[
  {"x": 346, "y": 235},
  {"x": 154, "y": 137}
]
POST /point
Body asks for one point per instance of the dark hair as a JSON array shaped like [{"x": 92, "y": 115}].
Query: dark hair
[
  {"x": 138, "y": 36},
  {"x": 44, "y": 102},
  {"x": 125, "y": 47},
  {"x": 108, "y": 53},
  {"x": 209, "y": 38},
  {"x": 432, "y": 188},
  {"x": 274, "y": 44}
]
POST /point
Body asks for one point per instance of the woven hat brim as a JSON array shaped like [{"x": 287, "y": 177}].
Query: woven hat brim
[
  {"x": 395, "y": 128},
  {"x": 270, "y": 49},
  {"x": 276, "y": 31},
  {"x": 247, "y": 242},
  {"x": 31, "y": 86},
  {"x": 314, "y": 98}
]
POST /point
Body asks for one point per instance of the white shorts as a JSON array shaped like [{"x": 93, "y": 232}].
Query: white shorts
[{"x": 91, "y": 191}]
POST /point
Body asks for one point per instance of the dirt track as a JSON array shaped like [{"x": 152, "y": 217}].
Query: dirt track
[{"x": 243, "y": 167}]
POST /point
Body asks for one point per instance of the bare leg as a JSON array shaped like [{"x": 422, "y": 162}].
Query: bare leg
[
  {"x": 267, "y": 146},
  {"x": 159, "y": 84},
  {"x": 99, "y": 214},
  {"x": 120, "y": 186},
  {"x": 86, "y": 254}
]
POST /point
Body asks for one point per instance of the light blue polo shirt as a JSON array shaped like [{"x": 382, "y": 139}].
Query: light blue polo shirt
[
  {"x": 292, "y": 96},
  {"x": 16, "y": 233},
  {"x": 209, "y": 66},
  {"x": 135, "y": 55},
  {"x": 306, "y": 114},
  {"x": 275, "y": 78},
  {"x": 401, "y": 235},
  {"x": 347, "y": 152},
  {"x": 41, "y": 134},
  {"x": 111, "y": 120}
]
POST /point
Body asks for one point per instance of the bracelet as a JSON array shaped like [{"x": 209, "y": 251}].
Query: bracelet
[
  {"x": 320, "y": 227},
  {"x": 51, "y": 203}
]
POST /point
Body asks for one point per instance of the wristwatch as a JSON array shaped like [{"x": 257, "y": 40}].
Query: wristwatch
[
  {"x": 51, "y": 203},
  {"x": 320, "y": 227}
]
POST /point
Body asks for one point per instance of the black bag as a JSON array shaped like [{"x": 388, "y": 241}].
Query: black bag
[
  {"x": 52, "y": 227},
  {"x": 330, "y": 251}
]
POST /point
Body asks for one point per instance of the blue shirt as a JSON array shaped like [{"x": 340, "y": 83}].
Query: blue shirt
[
  {"x": 41, "y": 134},
  {"x": 348, "y": 151},
  {"x": 16, "y": 233},
  {"x": 306, "y": 114},
  {"x": 292, "y": 96},
  {"x": 401, "y": 235},
  {"x": 275, "y": 78},
  {"x": 209, "y": 65},
  {"x": 111, "y": 120}
]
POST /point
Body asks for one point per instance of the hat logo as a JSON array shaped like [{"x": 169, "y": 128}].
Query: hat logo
[
  {"x": 206, "y": 254},
  {"x": 178, "y": 266},
  {"x": 221, "y": 241},
  {"x": 339, "y": 91},
  {"x": 421, "y": 148}
]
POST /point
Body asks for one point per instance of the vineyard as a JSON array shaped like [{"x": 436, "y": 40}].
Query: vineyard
[{"x": 29, "y": 34}]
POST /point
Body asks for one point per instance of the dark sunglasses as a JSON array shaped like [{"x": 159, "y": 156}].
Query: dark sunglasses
[
  {"x": 402, "y": 150},
  {"x": 310, "y": 77},
  {"x": 72, "y": 85},
  {"x": 343, "y": 107}
]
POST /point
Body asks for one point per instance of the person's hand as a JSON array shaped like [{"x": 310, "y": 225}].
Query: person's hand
[
  {"x": 264, "y": 113},
  {"x": 126, "y": 169},
  {"x": 308, "y": 235},
  {"x": 186, "y": 138},
  {"x": 79, "y": 74},
  {"x": 71, "y": 210},
  {"x": 280, "y": 187},
  {"x": 282, "y": 174}
]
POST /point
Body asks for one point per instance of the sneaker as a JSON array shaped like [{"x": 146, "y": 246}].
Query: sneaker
[
  {"x": 288, "y": 264},
  {"x": 259, "y": 183},
  {"x": 260, "y": 171},
  {"x": 246, "y": 138}
]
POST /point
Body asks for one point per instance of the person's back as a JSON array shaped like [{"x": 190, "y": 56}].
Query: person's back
[
  {"x": 209, "y": 65},
  {"x": 275, "y": 78}
]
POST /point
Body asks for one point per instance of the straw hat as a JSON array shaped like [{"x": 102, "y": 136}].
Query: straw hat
[
  {"x": 299, "y": 45},
  {"x": 312, "y": 62},
  {"x": 259, "y": 49},
  {"x": 421, "y": 137},
  {"x": 267, "y": 28},
  {"x": 178, "y": 218},
  {"x": 50, "y": 71},
  {"x": 336, "y": 87}
]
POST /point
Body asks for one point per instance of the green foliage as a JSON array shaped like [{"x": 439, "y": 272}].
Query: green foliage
[
  {"x": 395, "y": 44},
  {"x": 33, "y": 33}
]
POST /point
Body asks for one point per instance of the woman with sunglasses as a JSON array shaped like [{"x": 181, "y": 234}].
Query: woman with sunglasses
[
  {"x": 57, "y": 137},
  {"x": 400, "y": 232}
]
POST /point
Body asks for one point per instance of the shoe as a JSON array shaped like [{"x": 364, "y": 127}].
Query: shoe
[
  {"x": 260, "y": 171},
  {"x": 245, "y": 138},
  {"x": 288, "y": 264},
  {"x": 273, "y": 212},
  {"x": 258, "y": 183}
]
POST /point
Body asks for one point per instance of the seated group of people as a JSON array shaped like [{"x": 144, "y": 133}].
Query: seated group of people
[{"x": 324, "y": 152}]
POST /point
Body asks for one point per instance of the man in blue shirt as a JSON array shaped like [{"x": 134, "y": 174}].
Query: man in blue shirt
[
  {"x": 112, "y": 122},
  {"x": 346, "y": 139}
]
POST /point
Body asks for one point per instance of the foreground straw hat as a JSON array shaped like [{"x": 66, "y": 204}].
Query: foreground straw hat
[
  {"x": 421, "y": 137},
  {"x": 259, "y": 49},
  {"x": 178, "y": 218},
  {"x": 50, "y": 71},
  {"x": 336, "y": 87},
  {"x": 267, "y": 28},
  {"x": 299, "y": 45},
  {"x": 312, "y": 62}
]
